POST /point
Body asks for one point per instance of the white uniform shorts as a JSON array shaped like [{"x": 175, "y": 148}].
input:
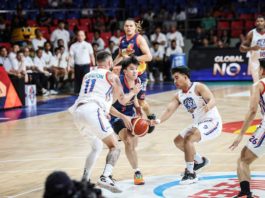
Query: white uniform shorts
[
  {"x": 256, "y": 142},
  {"x": 209, "y": 129},
  {"x": 91, "y": 121}
]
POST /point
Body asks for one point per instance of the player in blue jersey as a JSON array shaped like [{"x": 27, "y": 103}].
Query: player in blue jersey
[
  {"x": 132, "y": 43},
  {"x": 122, "y": 114}
]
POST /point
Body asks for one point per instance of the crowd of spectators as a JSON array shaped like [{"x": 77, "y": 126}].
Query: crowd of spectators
[{"x": 45, "y": 60}]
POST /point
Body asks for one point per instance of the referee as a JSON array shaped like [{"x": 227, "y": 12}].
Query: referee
[{"x": 82, "y": 54}]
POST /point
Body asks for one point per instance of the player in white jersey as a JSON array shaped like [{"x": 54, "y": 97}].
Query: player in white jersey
[
  {"x": 255, "y": 147},
  {"x": 255, "y": 46},
  {"x": 207, "y": 124},
  {"x": 91, "y": 111}
]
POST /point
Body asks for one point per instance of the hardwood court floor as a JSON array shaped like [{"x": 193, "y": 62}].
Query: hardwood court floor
[{"x": 32, "y": 148}]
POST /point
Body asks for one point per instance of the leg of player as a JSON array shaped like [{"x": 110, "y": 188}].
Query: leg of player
[
  {"x": 199, "y": 161},
  {"x": 106, "y": 180},
  {"x": 243, "y": 171},
  {"x": 130, "y": 143},
  {"x": 96, "y": 149},
  {"x": 189, "y": 150}
]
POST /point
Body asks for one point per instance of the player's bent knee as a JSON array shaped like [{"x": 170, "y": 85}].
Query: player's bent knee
[{"x": 97, "y": 145}]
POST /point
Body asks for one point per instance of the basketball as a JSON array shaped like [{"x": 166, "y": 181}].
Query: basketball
[{"x": 140, "y": 126}]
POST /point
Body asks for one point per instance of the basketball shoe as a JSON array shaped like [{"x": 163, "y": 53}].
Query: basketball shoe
[
  {"x": 138, "y": 178},
  {"x": 204, "y": 163},
  {"x": 244, "y": 195},
  {"x": 108, "y": 183},
  {"x": 188, "y": 178}
]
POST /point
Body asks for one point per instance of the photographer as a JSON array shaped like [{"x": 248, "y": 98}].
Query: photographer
[{"x": 59, "y": 185}]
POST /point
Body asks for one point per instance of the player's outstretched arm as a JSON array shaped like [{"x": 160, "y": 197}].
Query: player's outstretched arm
[
  {"x": 170, "y": 109},
  {"x": 254, "y": 101},
  {"x": 207, "y": 95}
]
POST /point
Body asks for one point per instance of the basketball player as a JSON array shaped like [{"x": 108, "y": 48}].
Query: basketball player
[
  {"x": 255, "y": 45},
  {"x": 134, "y": 43},
  {"x": 255, "y": 147},
  {"x": 122, "y": 115},
  {"x": 207, "y": 124},
  {"x": 90, "y": 113}
]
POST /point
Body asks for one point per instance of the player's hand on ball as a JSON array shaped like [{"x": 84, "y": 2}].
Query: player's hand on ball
[
  {"x": 127, "y": 122},
  {"x": 236, "y": 142}
]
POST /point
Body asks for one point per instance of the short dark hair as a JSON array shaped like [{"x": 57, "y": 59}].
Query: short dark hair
[
  {"x": 102, "y": 56},
  {"x": 262, "y": 62},
  {"x": 126, "y": 62},
  {"x": 182, "y": 70},
  {"x": 260, "y": 16}
]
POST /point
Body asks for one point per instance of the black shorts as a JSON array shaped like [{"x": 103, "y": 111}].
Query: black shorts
[{"x": 118, "y": 125}]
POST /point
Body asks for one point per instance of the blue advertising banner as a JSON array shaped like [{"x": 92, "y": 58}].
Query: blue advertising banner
[{"x": 216, "y": 64}]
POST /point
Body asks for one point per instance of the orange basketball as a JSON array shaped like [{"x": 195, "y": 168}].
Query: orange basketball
[{"x": 140, "y": 126}]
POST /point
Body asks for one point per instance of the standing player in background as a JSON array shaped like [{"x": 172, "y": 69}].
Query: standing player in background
[
  {"x": 122, "y": 115},
  {"x": 133, "y": 43},
  {"x": 255, "y": 45},
  {"x": 207, "y": 124},
  {"x": 90, "y": 113},
  {"x": 256, "y": 145}
]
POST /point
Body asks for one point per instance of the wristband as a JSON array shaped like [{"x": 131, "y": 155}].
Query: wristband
[{"x": 158, "y": 121}]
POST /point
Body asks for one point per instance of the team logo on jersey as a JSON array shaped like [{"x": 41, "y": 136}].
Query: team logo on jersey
[
  {"x": 234, "y": 127},
  {"x": 190, "y": 104},
  {"x": 261, "y": 42}
]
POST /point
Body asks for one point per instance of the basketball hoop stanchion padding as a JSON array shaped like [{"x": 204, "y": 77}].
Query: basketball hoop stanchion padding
[{"x": 8, "y": 95}]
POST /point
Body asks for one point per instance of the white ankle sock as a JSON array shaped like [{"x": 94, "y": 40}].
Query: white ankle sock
[
  {"x": 190, "y": 166},
  {"x": 137, "y": 169},
  {"x": 108, "y": 170},
  {"x": 198, "y": 158}
]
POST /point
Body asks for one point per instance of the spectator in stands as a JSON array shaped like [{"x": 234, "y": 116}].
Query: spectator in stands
[
  {"x": 19, "y": 66},
  {"x": 97, "y": 39},
  {"x": 5, "y": 61},
  {"x": 39, "y": 41},
  {"x": 116, "y": 38},
  {"x": 4, "y": 30},
  {"x": 205, "y": 43},
  {"x": 18, "y": 20},
  {"x": 45, "y": 76},
  {"x": 175, "y": 35},
  {"x": 43, "y": 18},
  {"x": 60, "y": 33},
  {"x": 171, "y": 50},
  {"x": 179, "y": 15},
  {"x": 192, "y": 9},
  {"x": 208, "y": 22},
  {"x": 214, "y": 41},
  {"x": 28, "y": 64},
  {"x": 60, "y": 43},
  {"x": 156, "y": 65},
  {"x": 95, "y": 47},
  {"x": 159, "y": 38},
  {"x": 225, "y": 38},
  {"x": 112, "y": 49},
  {"x": 47, "y": 54},
  {"x": 198, "y": 37},
  {"x": 241, "y": 39},
  {"x": 81, "y": 53},
  {"x": 13, "y": 53}
]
